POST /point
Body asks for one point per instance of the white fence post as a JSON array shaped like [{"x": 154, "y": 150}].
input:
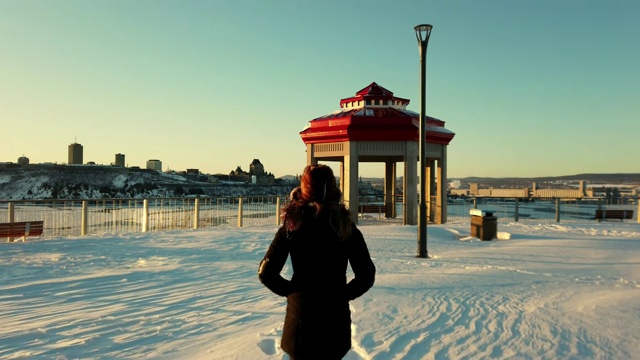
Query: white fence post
[
  {"x": 240, "y": 212},
  {"x": 196, "y": 214},
  {"x": 278, "y": 211},
  {"x": 11, "y": 212},
  {"x": 11, "y": 216},
  {"x": 145, "y": 215},
  {"x": 85, "y": 213},
  {"x": 114, "y": 217}
]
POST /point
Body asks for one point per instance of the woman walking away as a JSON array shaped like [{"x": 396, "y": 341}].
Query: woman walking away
[{"x": 320, "y": 237}]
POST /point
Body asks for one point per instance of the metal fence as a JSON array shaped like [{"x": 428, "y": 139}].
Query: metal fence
[
  {"x": 523, "y": 209},
  {"x": 115, "y": 216},
  {"x": 537, "y": 209}
]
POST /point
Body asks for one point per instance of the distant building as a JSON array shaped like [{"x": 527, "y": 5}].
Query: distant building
[
  {"x": 256, "y": 174},
  {"x": 239, "y": 175},
  {"x": 23, "y": 160},
  {"x": 154, "y": 165},
  {"x": 119, "y": 160},
  {"x": 256, "y": 168},
  {"x": 193, "y": 171},
  {"x": 75, "y": 154}
]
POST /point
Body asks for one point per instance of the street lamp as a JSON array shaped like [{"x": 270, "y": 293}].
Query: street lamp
[{"x": 423, "y": 32}]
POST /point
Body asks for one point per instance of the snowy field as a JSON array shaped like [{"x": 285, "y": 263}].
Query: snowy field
[{"x": 542, "y": 291}]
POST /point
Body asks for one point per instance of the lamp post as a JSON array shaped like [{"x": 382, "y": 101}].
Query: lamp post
[{"x": 423, "y": 32}]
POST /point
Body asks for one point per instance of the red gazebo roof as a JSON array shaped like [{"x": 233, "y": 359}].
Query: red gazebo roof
[
  {"x": 374, "y": 92},
  {"x": 373, "y": 114}
]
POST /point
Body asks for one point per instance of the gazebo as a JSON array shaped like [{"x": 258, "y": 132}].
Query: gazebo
[{"x": 375, "y": 126}]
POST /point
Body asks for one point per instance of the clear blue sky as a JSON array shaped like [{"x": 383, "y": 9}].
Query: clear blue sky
[{"x": 531, "y": 88}]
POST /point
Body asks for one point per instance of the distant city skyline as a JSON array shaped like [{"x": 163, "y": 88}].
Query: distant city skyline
[
  {"x": 541, "y": 88},
  {"x": 75, "y": 157}
]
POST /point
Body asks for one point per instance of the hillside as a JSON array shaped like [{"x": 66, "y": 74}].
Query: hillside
[{"x": 35, "y": 182}]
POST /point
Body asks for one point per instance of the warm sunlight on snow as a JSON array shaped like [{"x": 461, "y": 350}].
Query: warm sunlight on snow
[{"x": 554, "y": 291}]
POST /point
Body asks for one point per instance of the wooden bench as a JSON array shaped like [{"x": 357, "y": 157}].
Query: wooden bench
[
  {"x": 372, "y": 209},
  {"x": 613, "y": 214},
  {"x": 21, "y": 229}
]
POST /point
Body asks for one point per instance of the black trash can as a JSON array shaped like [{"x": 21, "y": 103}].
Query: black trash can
[{"x": 484, "y": 225}]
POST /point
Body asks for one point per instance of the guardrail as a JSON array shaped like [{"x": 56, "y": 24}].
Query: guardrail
[
  {"x": 113, "y": 216},
  {"x": 537, "y": 209}
]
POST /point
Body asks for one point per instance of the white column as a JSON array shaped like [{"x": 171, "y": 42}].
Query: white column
[
  {"x": 311, "y": 156},
  {"x": 439, "y": 192},
  {"x": 342, "y": 177},
  {"x": 429, "y": 176},
  {"x": 351, "y": 178},
  {"x": 390, "y": 188},
  {"x": 410, "y": 184},
  {"x": 442, "y": 187}
]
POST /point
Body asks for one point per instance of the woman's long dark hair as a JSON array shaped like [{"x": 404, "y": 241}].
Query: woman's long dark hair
[{"x": 318, "y": 190}]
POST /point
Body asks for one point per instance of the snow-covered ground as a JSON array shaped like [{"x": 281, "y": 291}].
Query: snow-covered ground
[{"x": 542, "y": 291}]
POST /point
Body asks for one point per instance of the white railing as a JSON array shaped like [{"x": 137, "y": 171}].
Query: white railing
[
  {"x": 539, "y": 209},
  {"x": 116, "y": 216}
]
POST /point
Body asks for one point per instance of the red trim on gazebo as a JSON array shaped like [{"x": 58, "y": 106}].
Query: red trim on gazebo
[
  {"x": 366, "y": 123},
  {"x": 373, "y": 92}
]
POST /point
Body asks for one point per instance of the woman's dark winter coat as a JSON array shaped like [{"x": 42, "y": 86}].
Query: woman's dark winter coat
[{"x": 318, "y": 320}]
